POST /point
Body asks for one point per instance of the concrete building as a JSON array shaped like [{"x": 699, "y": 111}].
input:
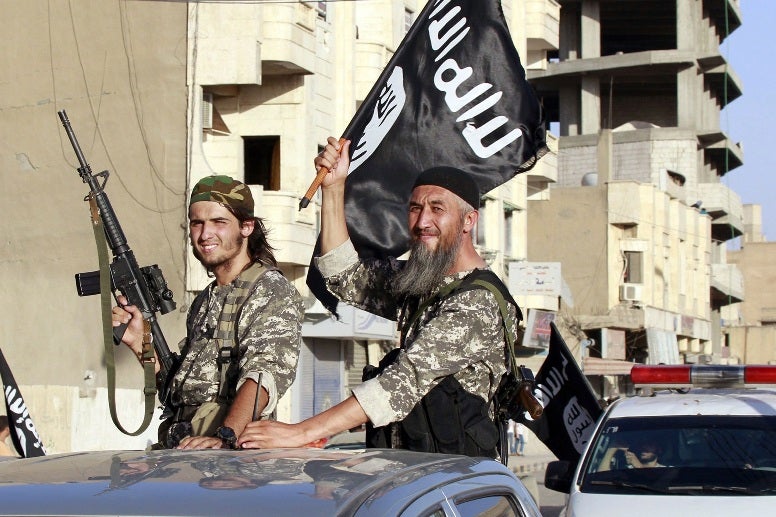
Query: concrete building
[
  {"x": 636, "y": 90},
  {"x": 750, "y": 326},
  {"x": 162, "y": 94}
]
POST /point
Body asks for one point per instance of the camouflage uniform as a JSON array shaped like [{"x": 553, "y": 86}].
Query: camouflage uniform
[
  {"x": 463, "y": 335},
  {"x": 268, "y": 333}
]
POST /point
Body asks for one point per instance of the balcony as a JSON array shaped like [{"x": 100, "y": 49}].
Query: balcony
[
  {"x": 288, "y": 47},
  {"x": 725, "y": 208},
  {"x": 720, "y": 152},
  {"x": 370, "y": 60},
  {"x": 542, "y": 24},
  {"x": 227, "y": 41},
  {"x": 546, "y": 169},
  {"x": 724, "y": 12},
  {"x": 724, "y": 82},
  {"x": 292, "y": 232},
  {"x": 727, "y": 285},
  {"x": 647, "y": 63}
]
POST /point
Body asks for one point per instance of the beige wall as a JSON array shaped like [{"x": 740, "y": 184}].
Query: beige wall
[
  {"x": 571, "y": 228},
  {"x": 119, "y": 70},
  {"x": 752, "y": 345},
  {"x": 587, "y": 229},
  {"x": 756, "y": 261}
]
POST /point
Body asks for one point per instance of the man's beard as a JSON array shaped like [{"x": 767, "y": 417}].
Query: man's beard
[
  {"x": 425, "y": 268},
  {"x": 210, "y": 263}
]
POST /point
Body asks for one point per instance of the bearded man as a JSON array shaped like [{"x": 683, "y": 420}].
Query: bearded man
[{"x": 433, "y": 392}]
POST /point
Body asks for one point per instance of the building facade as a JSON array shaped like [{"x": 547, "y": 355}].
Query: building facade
[
  {"x": 749, "y": 326},
  {"x": 636, "y": 90}
]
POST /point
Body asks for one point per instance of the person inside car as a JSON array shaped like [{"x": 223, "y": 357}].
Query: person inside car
[{"x": 644, "y": 454}]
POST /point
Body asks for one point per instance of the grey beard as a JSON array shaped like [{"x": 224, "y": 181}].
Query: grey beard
[{"x": 424, "y": 270}]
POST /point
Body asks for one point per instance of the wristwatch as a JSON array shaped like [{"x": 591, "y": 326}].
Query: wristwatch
[{"x": 228, "y": 436}]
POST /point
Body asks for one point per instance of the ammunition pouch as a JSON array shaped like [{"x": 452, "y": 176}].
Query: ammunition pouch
[
  {"x": 200, "y": 420},
  {"x": 447, "y": 420}
]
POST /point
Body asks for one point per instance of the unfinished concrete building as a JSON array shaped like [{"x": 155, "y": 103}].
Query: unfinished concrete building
[{"x": 639, "y": 217}]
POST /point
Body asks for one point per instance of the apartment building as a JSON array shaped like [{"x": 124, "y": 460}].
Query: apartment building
[
  {"x": 315, "y": 64},
  {"x": 639, "y": 218},
  {"x": 162, "y": 94},
  {"x": 749, "y": 326}
]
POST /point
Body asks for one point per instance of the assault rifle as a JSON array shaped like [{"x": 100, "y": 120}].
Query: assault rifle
[
  {"x": 515, "y": 395},
  {"x": 143, "y": 287}
]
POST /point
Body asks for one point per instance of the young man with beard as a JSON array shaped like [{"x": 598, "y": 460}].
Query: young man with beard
[
  {"x": 434, "y": 393},
  {"x": 243, "y": 330}
]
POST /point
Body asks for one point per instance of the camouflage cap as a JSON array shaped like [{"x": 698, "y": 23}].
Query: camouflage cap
[{"x": 224, "y": 190}]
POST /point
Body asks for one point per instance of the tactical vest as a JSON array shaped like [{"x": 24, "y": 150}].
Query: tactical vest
[
  {"x": 448, "y": 419},
  {"x": 225, "y": 335},
  {"x": 204, "y": 419}
]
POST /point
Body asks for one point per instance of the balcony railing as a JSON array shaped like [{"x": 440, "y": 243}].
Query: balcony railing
[
  {"x": 725, "y": 208},
  {"x": 727, "y": 284}
]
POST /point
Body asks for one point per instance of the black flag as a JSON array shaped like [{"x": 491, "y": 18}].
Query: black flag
[
  {"x": 25, "y": 437},
  {"x": 571, "y": 408},
  {"x": 453, "y": 94}
]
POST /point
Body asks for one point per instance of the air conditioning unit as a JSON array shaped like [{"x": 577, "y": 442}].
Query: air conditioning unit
[
  {"x": 631, "y": 292},
  {"x": 705, "y": 358},
  {"x": 207, "y": 110}
]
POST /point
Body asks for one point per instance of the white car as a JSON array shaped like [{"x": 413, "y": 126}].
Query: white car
[{"x": 699, "y": 440}]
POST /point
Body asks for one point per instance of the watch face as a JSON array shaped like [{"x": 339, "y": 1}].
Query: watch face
[{"x": 226, "y": 433}]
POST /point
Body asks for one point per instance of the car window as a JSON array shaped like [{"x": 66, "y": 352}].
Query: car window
[
  {"x": 489, "y": 506},
  {"x": 686, "y": 454}
]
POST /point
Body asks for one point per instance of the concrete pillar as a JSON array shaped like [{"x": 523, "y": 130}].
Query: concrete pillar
[
  {"x": 688, "y": 83},
  {"x": 590, "y": 25},
  {"x": 590, "y": 105},
  {"x": 590, "y": 43},
  {"x": 569, "y": 110},
  {"x": 569, "y": 33},
  {"x": 605, "y": 154}
]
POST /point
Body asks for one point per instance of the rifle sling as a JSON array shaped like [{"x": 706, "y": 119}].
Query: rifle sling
[{"x": 147, "y": 357}]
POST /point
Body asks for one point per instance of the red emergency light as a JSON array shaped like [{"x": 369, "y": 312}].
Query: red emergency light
[{"x": 703, "y": 376}]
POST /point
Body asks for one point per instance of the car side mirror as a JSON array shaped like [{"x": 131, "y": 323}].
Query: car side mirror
[{"x": 559, "y": 475}]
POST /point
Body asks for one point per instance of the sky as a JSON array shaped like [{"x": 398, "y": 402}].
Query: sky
[{"x": 749, "y": 51}]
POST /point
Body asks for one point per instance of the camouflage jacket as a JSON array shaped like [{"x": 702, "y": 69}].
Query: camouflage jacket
[
  {"x": 268, "y": 333},
  {"x": 462, "y": 336}
]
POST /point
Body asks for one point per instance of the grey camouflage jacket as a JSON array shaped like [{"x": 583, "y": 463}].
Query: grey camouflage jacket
[
  {"x": 269, "y": 335},
  {"x": 463, "y": 336}
]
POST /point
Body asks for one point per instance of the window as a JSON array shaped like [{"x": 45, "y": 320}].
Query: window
[
  {"x": 508, "y": 249},
  {"x": 495, "y": 505},
  {"x": 686, "y": 454},
  {"x": 262, "y": 161},
  {"x": 321, "y": 10},
  {"x": 634, "y": 268}
]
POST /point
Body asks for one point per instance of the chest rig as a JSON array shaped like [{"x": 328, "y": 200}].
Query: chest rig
[
  {"x": 225, "y": 333},
  {"x": 448, "y": 419}
]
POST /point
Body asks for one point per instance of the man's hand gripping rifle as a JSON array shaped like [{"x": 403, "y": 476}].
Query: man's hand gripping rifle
[{"x": 143, "y": 287}]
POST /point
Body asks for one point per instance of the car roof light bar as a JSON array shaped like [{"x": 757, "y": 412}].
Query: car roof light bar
[{"x": 703, "y": 376}]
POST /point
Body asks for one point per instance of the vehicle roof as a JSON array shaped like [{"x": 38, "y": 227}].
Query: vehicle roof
[
  {"x": 700, "y": 401},
  {"x": 276, "y": 481}
]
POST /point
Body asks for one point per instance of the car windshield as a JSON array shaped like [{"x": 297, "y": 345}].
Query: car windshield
[{"x": 708, "y": 455}]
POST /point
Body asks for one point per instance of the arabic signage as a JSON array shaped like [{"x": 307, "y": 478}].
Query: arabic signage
[{"x": 535, "y": 278}]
